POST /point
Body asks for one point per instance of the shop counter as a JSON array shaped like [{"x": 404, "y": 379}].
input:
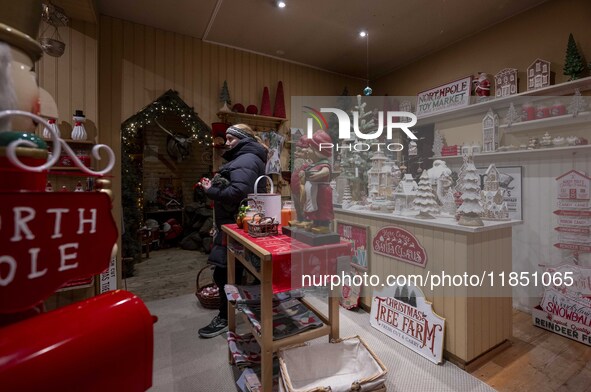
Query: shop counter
[{"x": 478, "y": 319}]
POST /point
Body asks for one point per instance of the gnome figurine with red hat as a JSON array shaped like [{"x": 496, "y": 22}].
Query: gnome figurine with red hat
[{"x": 318, "y": 206}]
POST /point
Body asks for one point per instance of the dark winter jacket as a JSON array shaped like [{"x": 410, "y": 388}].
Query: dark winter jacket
[{"x": 246, "y": 162}]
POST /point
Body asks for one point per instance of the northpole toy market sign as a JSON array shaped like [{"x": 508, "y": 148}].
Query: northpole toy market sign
[{"x": 446, "y": 97}]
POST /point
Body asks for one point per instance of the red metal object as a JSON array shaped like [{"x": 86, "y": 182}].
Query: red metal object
[
  {"x": 14, "y": 179},
  {"x": 101, "y": 344}
]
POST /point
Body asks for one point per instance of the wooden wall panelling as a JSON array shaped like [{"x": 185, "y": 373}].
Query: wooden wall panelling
[
  {"x": 139, "y": 63},
  {"x": 160, "y": 59},
  {"x": 138, "y": 68},
  {"x": 90, "y": 81},
  {"x": 455, "y": 246}
]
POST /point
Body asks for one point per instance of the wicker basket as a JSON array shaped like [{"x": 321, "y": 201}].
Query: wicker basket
[
  {"x": 263, "y": 227},
  {"x": 208, "y": 302},
  {"x": 344, "y": 365}
]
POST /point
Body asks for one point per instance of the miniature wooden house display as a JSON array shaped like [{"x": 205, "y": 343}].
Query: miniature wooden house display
[
  {"x": 506, "y": 82},
  {"x": 538, "y": 74},
  {"x": 490, "y": 132},
  {"x": 405, "y": 194},
  {"x": 491, "y": 196}
]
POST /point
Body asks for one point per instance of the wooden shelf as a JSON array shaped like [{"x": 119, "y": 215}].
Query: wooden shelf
[
  {"x": 561, "y": 89},
  {"x": 65, "y": 168},
  {"x": 523, "y": 154},
  {"x": 252, "y": 119},
  {"x": 71, "y": 141},
  {"x": 566, "y": 119}
]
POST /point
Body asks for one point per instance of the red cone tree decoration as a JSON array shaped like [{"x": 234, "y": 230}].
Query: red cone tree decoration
[
  {"x": 266, "y": 104},
  {"x": 279, "y": 110}
]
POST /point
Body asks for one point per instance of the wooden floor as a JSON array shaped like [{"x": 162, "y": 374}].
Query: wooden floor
[{"x": 539, "y": 361}]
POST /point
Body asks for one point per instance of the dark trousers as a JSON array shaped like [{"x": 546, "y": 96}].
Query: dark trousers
[{"x": 220, "y": 277}]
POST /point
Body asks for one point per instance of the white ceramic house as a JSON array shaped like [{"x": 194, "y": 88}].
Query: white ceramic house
[
  {"x": 495, "y": 208},
  {"x": 374, "y": 174},
  {"x": 490, "y": 132}
]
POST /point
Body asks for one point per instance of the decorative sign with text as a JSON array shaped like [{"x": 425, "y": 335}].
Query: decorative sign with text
[
  {"x": 581, "y": 283},
  {"x": 358, "y": 236},
  {"x": 446, "y": 97},
  {"x": 573, "y": 185},
  {"x": 400, "y": 244},
  {"x": 48, "y": 239},
  {"x": 567, "y": 305},
  {"x": 561, "y": 326},
  {"x": 409, "y": 319},
  {"x": 573, "y": 215}
]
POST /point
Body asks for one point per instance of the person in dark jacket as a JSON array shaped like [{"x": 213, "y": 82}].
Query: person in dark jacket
[{"x": 235, "y": 180}]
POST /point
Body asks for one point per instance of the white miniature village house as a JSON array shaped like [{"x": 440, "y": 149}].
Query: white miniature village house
[
  {"x": 376, "y": 177},
  {"x": 490, "y": 132},
  {"x": 506, "y": 82},
  {"x": 495, "y": 208},
  {"x": 405, "y": 194},
  {"x": 538, "y": 74}
]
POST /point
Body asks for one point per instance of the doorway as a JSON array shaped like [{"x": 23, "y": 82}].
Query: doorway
[{"x": 166, "y": 220}]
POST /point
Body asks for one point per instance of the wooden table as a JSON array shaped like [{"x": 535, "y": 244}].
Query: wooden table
[{"x": 280, "y": 260}]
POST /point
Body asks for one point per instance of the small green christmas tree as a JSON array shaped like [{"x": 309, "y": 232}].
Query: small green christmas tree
[
  {"x": 573, "y": 63},
  {"x": 225, "y": 94}
]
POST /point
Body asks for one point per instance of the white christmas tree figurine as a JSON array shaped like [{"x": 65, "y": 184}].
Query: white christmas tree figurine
[
  {"x": 347, "y": 199},
  {"x": 470, "y": 210},
  {"x": 424, "y": 201},
  {"x": 512, "y": 116},
  {"x": 438, "y": 143},
  {"x": 578, "y": 104}
]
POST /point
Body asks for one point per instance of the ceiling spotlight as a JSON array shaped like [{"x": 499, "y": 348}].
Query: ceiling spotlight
[
  {"x": 281, "y": 4},
  {"x": 363, "y": 34}
]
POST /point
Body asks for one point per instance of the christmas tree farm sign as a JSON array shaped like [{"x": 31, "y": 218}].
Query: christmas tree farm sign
[{"x": 403, "y": 314}]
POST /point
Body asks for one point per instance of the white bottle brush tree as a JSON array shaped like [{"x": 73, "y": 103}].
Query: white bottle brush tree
[
  {"x": 424, "y": 201},
  {"x": 357, "y": 163},
  {"x": 470, "y": 210}
]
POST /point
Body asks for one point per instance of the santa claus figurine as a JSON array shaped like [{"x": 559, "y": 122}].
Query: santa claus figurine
[
  {"x": 482, "y": 86},
  {"x": 318, "y": 206}
]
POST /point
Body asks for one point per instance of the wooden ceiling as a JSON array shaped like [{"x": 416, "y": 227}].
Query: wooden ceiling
[{"x": 321, "y": 34}]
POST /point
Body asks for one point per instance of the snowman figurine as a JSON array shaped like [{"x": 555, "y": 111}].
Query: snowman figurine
[{"x": 79, "y": 133}]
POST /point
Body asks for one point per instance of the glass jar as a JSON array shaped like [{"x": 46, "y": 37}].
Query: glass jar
[
  {"x": 528, "y": 112},
  {"x": 287, "y": 213},
  {"x": 247, "y": 218}
]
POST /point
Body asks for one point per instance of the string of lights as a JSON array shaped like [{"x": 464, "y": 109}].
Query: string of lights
[{"x": 167, "y": 103}]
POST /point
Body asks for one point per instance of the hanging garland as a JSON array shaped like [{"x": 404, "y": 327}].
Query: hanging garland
[
  {"x": 167, "y": 103},
  {"x": 131, "y": 170}
]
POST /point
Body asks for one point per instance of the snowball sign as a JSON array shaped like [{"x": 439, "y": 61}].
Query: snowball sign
[{"x": 47, "y": 239}]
